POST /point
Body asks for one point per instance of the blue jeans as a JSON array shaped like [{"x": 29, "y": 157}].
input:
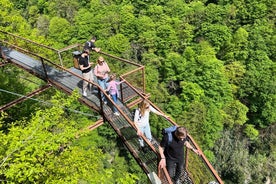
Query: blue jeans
[
  {"x": 174, "y": 168},
  {"x": 114, "y": 98},
  {"x": 103, "y": 84},
  {"x": 146, "y": 131}
]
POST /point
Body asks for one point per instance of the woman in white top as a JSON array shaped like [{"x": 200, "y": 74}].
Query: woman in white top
[{"x": 141, "y": 120}]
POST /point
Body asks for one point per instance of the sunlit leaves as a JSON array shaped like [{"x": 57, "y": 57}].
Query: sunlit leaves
[
  {"x": 235, "y": 114},
  {"x": 119, "y": 43},
  {"x": 59, "y": 30},
  {"x": 251, "y": 132},
  {"x": 218, "y": 35}
]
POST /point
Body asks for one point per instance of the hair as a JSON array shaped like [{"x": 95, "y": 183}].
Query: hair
[
  {"x": 100, "y": 57},
  {"x": 93, "y": 38},
  {"x": 143, "y": 107},
  {"x": 181, "y": 132},
  {"x": 86, "y": 51},
  {"x": 112, "y": 77}
]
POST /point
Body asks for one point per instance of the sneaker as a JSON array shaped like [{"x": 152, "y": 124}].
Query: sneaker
[
  {"x": 116, "y": 114},
  {"x": 84, "y": 93}
]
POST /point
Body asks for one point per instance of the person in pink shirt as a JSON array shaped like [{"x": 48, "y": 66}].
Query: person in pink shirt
[
  {"x": 101, "y": 71},
  {"x": 113, "y": 91}
]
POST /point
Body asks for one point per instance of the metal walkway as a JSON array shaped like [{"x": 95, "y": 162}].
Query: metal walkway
[{"x": 68, "y": 80}]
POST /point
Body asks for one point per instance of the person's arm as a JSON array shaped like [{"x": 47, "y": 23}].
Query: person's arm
[
  {"x": 96, "y": 49},
  {"x": 118, "y": 83},
  {"x": 188, "y": 145},
  {"x": 81, "y": 64},
  {"x": 158, "y": 113},
  {"x": 107, "y": 68},
  {"x": 162, "y": 162},
  {"x": 83, "y": 68},
  {"x": 93, "y": 47}
]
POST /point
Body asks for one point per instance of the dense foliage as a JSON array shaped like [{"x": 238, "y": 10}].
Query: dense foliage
[{"x": 209, "y": 64}]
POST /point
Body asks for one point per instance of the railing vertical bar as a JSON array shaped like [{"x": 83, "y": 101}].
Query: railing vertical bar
[{"x": 44, "y": 68}]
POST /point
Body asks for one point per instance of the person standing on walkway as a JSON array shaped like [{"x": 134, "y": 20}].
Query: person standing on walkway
[
  {"x": 113, "y": 91},
  {"x": 101, "y": 71},
  {"x": 141, "y": 121},
  {"x": 86, "y": 69},
  {"x": 90, "y": 45},
  {"x": 172, "y": 153}
]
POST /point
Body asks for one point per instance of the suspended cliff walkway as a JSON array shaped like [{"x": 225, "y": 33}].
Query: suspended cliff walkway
[{"x": 59, "y": 73}]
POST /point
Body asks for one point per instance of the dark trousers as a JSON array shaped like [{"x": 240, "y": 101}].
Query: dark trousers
[{"x": 174, "y": 168}]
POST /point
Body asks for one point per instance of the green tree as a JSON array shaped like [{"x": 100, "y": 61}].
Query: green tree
[
  {"x": 238, "y": 49},
  {"x": 258, "y": 88},
  {"x": 119, "y": 44},
  {"x": 235, "y": 73},
  {"x": 42, "y": 151},
  {"x": 63, "y": 8},
  {"x": 60, "y": 31},
  {"x": 218, "y": 35}
]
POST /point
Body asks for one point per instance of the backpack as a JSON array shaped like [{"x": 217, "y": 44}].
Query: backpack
[
  {"x": 87, "y": 45},
  {"x": 169, "y": 131},
  {"x": 133, "y": 113}
]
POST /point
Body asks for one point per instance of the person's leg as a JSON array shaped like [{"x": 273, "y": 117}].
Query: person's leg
[
  {"x": 114, "y": 98},
  {"x": 102, "y": 84},
  {"x": 170, "y": 165},
  {"x": 91, "y": 79},
  {"x": 105, "y": 82},
  {"x": 179, "y": 168},
  {"x": 141, "y": 141},
  {"x": 147, "y": 132},
  {"x": 85, "y": 83}
]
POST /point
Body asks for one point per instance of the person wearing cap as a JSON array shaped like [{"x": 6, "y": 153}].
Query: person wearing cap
[
  {"x": 86, "y": 68},
  {"x": 101, "y": 71},
  {"x": 90, "y": 45}
]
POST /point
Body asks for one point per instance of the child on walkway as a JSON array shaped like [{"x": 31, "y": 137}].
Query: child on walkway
[{"x": 113, "y": 91}]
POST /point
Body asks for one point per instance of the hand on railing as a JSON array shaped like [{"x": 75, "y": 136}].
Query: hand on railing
[
  {"x": 162, "y": 163},
  {"x": 198, "y": 152},
  {"x": 139, "y": 133}
]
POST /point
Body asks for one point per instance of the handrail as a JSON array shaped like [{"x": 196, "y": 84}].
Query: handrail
[
  {"x": 213, "y": 171},
  {"x": 38, "y": 44},
  {"x": 120, "y": 59},
  {"x": 100, "y": 90}
]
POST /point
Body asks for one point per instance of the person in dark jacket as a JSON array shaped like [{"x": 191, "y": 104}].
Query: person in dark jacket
[
  {"x": 90, "y": 45},
  {"x": 172, "y": 153},
  {"x": 85, "y": 67}
]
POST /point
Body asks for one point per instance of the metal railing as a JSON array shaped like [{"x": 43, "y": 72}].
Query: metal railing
[{"x": 134, "y": 85}]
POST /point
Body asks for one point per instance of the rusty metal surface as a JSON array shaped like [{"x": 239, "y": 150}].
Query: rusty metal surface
[{"x": 26, "y": 97}]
